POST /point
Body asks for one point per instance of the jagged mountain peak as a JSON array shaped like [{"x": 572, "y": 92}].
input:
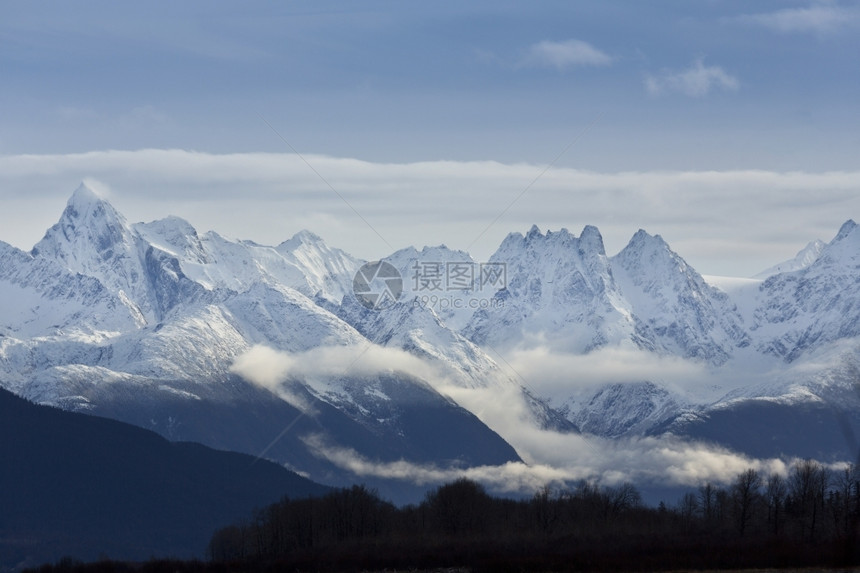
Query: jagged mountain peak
[
  {"x": 842, "y": 251},
  {"x": 676, "y": 310},
  {"x": 88, "y": 227},
  {"x": 306, "y": 243},
  {"x": 592, "y": 240},
  {"x": 589, "y": 241},
  {"x": 327, "y": 271},
  {"x": 847, "y": 228},
  {"x": 644, "y": 237},
  {"x": 86, "y": 203},
  {"x": 85, "y": 195},
  {"x": 303, "y": 237},
  {"x": 93, "y": 239},
  {"x": 640, "y": 235},
  {"x": 558, "y": 287},
  {"x": 645, "y": 249}
]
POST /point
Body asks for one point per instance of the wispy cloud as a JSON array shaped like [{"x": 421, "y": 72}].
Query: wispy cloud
[
  {"x": 696, "y": 81},
  {"x": 269, "y": 368},
  {"x": 549, "y": 369},
  {"x": 566, "y": 54},
  {"x": 818, "y": 18},
  {"x": 667, "y": 461},
  {"x": 550, "y": 457}
]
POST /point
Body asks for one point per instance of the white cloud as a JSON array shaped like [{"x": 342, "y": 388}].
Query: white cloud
[
  {"x": 566, "y": 54},
  {"x": 555, "y": 374},
  {"x": 818, "y": 18},
  {"x": 696, "y": 81},
  {"x": 270, "y": 369},
  {"x": 666, "y": 461},
  {"x": 264, "y": 366},
  {"x": 324, "y": 368},
  {"x": 267, "y": 367}
]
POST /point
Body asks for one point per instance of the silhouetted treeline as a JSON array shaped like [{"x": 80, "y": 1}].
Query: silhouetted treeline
[{"x": 807, "y": 518}]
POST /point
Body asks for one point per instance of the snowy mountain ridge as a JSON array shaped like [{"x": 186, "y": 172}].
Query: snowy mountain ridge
[{"x": 102, "y": 310}]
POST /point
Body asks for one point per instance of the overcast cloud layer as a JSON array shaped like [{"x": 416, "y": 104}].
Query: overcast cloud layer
[{"x": 723, "y": 222}]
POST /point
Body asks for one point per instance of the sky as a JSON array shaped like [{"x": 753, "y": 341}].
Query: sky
[{"x": 730, "y": 128}]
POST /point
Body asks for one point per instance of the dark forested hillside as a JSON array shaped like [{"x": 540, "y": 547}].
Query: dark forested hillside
[{"x": 89, "y": 487}]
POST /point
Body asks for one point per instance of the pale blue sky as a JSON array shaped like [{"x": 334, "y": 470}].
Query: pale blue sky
[{"x": 637, "y": 86}]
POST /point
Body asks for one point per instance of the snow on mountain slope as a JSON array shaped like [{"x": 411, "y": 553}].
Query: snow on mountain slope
[
  {"x": 216, "y": 262},
  {"x": 93, "y": 239},
  {"x": 560, "y": 292},
  {"x": 175, "y": 236},
  {"x": 327, "y": 271},
  {"x": 801, "y": 310},
  {"x": 304, "y": 262},
  {"x": 808, "y": 408},
  {"x": 675, "y": 309},
  {"x": 624, "y": 409},
  {"x": 442, "y": 288},
  {"x": 39, "y": 297},
  {"x": 446, "y": 281},
  {"x": 743, "y": 293},
  {"x": 808, "y": 255},
  {"x": 145, "y": 323},
  {"x": 564, "y": 294},
  {"x": 674, "y": 312},
  {"x": 128, "y": 318},
  {"x": 461, "y": 366}
]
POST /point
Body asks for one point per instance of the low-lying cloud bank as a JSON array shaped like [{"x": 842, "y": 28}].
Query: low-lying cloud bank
[
  {"x": 550, "y": 457},
  {"x": 663, "y": 461},
  {"x": 556, "y": 373}
]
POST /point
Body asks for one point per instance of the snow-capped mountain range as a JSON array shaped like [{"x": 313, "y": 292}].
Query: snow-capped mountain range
[{"x": 267, "y": 350}]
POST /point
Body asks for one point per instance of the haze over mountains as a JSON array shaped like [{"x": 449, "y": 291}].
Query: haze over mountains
[{"x": 549, "y": 347}]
